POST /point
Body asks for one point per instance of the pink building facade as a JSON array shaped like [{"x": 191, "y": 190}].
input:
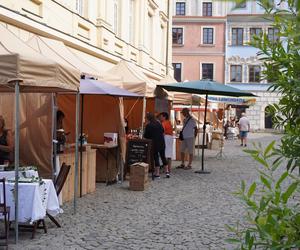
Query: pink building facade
[{"x": 198, "y": 47}]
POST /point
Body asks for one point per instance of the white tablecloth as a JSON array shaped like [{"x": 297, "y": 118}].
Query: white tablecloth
[
  {"x": 34, "y": 200},
  {"x": 25, "y": 174}
]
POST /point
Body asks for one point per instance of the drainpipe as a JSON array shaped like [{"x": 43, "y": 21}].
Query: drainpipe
[{"x": 167, "y": 47}]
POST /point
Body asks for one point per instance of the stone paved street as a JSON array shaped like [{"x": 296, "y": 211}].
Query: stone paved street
[{"x": 187, "y": 211}]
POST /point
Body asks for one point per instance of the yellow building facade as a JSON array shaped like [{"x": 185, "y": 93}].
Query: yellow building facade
[{"x": 103, "y": 32}]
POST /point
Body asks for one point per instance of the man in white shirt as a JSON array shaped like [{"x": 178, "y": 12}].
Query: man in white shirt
[
  {"x": 244, "y": 126},
  {"x": 189, "y": 132}
]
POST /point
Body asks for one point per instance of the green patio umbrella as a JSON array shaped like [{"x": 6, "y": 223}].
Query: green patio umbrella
[{"x": 204, "y": 87}]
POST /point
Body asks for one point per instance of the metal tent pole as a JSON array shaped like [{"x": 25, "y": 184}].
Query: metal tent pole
[
  {"x": 76, "y": 151},
  {"x": 81, "y": 142},
  {"x": 54, "y": 138},
  {"x": 144, "y": 112},
  {"x": 203, "y": 140},
  {"x": 17, "y": 148},
  {"x": 198, "y": 137}
]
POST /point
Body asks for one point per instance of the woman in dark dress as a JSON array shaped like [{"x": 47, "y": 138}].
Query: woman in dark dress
[
  {"x": 6, "y": 146},
  {"x": 155, "y": 132}
]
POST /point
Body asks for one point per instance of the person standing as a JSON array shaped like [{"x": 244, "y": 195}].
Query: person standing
[
  {"x": 189, "y": 132},
  {"x": 155, "y": 132},
  {"x": 60, "y": 132},
  {"x": 244, "y": 127},
  {"x": 6, "y": 145},
  {"x": 168, "y": 134}
]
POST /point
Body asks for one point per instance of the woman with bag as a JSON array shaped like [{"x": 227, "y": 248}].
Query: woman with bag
[{"x": 187, "y": 136}]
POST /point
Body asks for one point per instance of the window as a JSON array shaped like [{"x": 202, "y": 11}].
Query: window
[
  {"x": 207, "y": 71},
  {"x": 255, "y": 32},
  {"x": 177, "y": 34},
  {"x": 236, "y": 73},
  {"x": 163, "y": 43},
  {"x": 237, "y": 36},
  {"x": 254, "y": 73},
  {"x": 116, "y": 18},
  {"x": 180, "y": 9},
  {"x": 241, "y": 4},
  {"x": 131, "y": 21},
  {"x": 208, "y": 35},
  {"x": 79, "y": 7},
  {"x": 177, "y": 71},
  {"x": 207, "y": 9},
  {"x": 151, "y": 36},
  {"x": 273, "y": 34}
]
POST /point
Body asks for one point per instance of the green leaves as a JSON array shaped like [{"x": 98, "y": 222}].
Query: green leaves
[
  {"x": 281, "y": 179},
  {"x": 291, "y": 189},
  {"x": 272, "y": 220},
  {"x": 251, "y": 190},
  {"x": 265, "y": 182},
  {"x": 269, "y": 148}
]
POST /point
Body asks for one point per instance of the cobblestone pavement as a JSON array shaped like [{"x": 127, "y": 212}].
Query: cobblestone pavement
[{"x": 187, "y": 211}]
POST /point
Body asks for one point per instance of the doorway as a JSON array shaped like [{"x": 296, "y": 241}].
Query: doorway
[{"x": 268, "y": 118}]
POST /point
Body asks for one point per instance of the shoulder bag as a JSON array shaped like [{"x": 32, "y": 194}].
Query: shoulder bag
[{"x": 181, "y": 132}]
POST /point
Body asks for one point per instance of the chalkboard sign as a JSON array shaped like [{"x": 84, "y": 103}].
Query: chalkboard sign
[{"x": 138, "y": 150}]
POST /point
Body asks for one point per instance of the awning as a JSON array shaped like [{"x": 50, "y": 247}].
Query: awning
[
  {"x": 205, "y": 87},
  {"x": 94, "y": 87},
  {"x": 232, "y": 100}
]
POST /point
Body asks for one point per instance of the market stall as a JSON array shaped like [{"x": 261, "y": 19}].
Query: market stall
[
  {"x": 23, "y": 70},
  {"x": 196, "y": 105},
  {"x": 207, "y": 88},
  {"x": 104, "y": 156},
  {"x": 101, "y": 112}
]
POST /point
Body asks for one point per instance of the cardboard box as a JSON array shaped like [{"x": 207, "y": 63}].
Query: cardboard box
[
  {"x": 110, "y": 139},
  {"x": 139, "y": 180}
]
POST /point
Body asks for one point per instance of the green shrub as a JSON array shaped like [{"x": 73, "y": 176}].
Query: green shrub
[{"x": 272, "y": 218}]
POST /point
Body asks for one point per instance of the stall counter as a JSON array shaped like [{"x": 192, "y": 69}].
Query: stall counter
[{"x": 88, "y": 172}]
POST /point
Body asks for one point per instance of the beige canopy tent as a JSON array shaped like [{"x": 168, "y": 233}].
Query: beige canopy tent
[
  {"x": 22, "y": 69},
  {"x": 59, "y": 52},
  {"x": 181, "y": 98},
  {"x": 134, "y": 80},
  {"x": 19, "y": 62}
]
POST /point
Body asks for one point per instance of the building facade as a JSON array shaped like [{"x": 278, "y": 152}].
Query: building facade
[
  {"x": 211, "y": 41},
  {"x": 198, "y": 36},
  {"x": 242, "y": 65},
  {"x": 102, "y": 31}
]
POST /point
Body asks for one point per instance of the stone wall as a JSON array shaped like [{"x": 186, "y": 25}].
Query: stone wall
[{"x": 256, "y": 113}]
